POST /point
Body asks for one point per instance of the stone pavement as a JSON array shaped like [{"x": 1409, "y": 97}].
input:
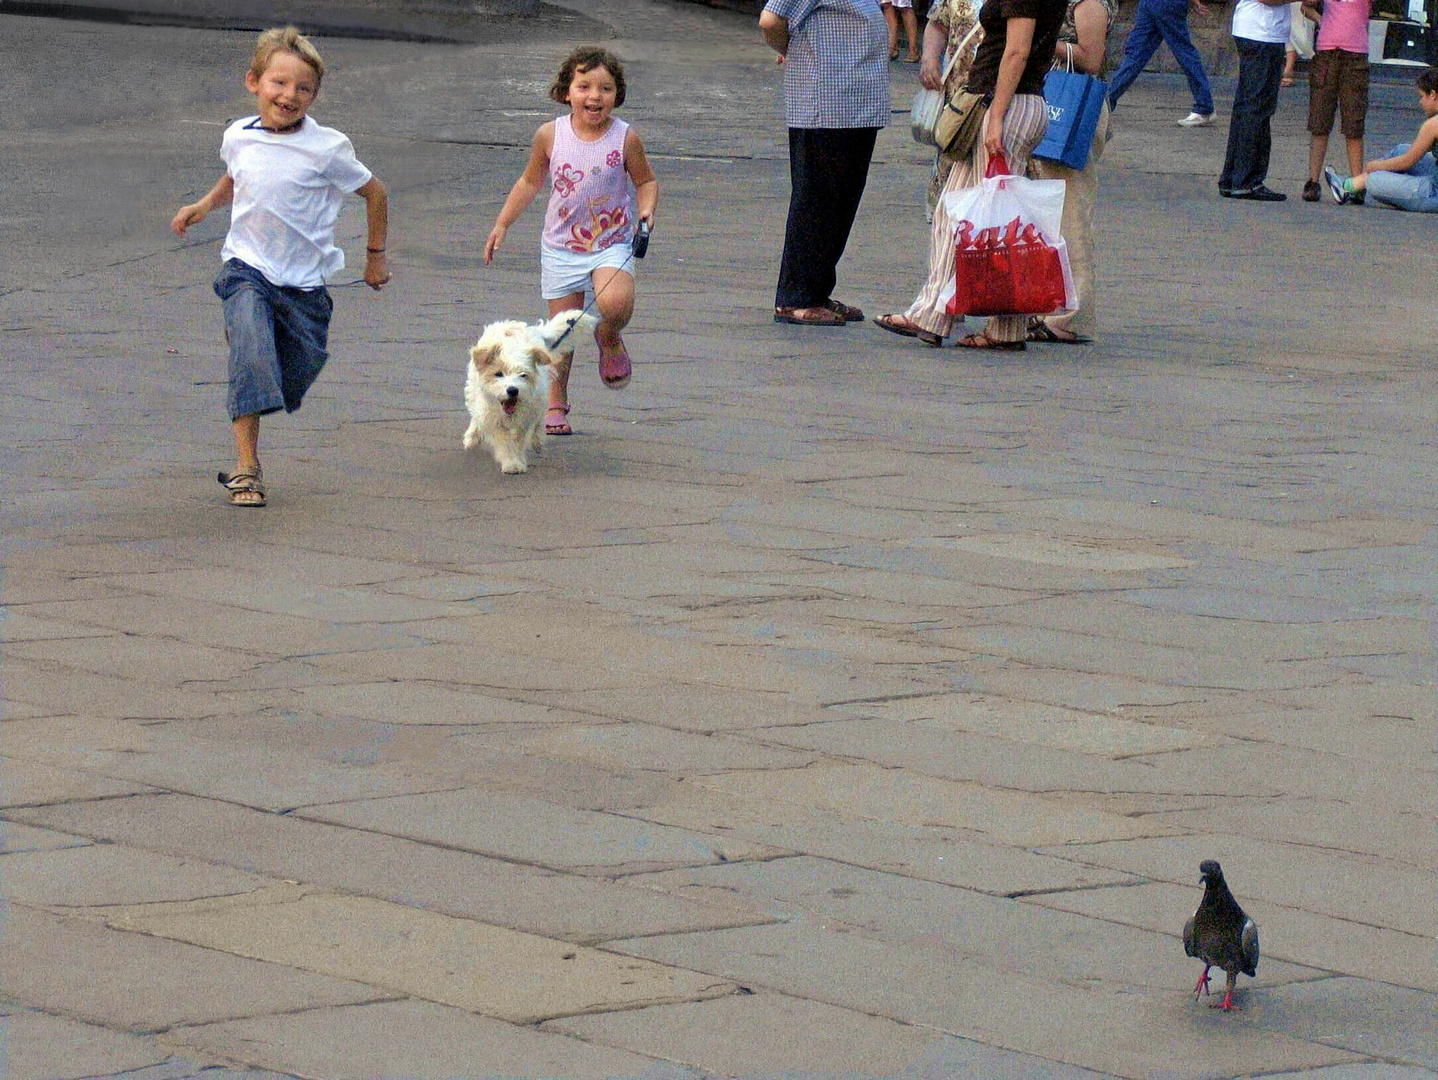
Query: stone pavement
[{"x": 825, "y": 706}]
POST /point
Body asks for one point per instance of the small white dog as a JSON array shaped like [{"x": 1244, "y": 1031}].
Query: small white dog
[{"x": 507, "y": 389}]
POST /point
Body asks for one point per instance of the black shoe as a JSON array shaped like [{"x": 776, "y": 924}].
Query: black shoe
[
  {"x": 1262, "y": 194},
  {"x": 1356, "y": 199},
  {"x": 1225, "y": 193},
  {"x": 1310, "y": 191}
]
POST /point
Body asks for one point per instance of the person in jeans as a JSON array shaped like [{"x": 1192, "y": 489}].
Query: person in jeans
[
  {"x": 1338, "y": 80},
  {"x": 836, "y": 98},
  {"x": 1165, "y": 21},
  {"x": 1260, "y": 33},
  {"x": 1407, "y": 179}
]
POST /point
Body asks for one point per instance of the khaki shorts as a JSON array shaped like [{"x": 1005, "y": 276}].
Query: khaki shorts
[{"x": 1337, "y": 81}]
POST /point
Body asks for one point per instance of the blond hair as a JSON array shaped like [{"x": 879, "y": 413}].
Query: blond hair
[{"x": 285, "y": 39}]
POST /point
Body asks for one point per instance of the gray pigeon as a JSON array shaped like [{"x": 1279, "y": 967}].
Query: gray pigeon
[{"x": 1220, "y": 934}]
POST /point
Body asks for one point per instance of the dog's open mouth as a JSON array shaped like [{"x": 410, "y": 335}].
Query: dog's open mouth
[{"x": 509, "y": 407}]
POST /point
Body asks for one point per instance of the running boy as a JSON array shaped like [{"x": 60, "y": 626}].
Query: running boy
[
  {"x": 1408, "y": 178},
  {"x": 287, "y": 177},
  {"x": 600, "y": 181}
]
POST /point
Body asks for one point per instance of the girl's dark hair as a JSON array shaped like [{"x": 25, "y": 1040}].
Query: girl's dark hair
[
  {"x": 587, "y": 58},
  {"x": 1428, "y": 81}
]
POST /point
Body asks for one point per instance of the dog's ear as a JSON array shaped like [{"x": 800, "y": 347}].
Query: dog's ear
[
  {"x": 541, "y": 357},
  {"x": 482, "y": 358}
]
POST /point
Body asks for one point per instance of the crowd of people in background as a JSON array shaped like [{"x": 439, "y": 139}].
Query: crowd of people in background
[{"x": 836, "y": 89}]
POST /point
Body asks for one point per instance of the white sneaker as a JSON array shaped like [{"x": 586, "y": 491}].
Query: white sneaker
[{"x": 1196, "y": 119}]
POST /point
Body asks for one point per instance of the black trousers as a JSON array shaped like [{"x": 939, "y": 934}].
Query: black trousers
[
  {"x": 827, "y": 171},
  {"x": 1250, "y": 138}
]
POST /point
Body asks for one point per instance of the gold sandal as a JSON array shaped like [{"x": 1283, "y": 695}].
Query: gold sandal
[{"x": 246, "y": 487}]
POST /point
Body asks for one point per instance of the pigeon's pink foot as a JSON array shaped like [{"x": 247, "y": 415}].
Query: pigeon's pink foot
[
  {"x": 1202, "y": 987},
  {"x": 1225, "y": 1003}
]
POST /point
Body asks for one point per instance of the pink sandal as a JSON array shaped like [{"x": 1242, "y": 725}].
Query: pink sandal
[
  {"x": 558, "y": 426},
  {"x": 614, "y": 367}
]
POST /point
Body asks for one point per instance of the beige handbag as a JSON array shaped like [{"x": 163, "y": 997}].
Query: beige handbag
[
  {"x": 960, "y": 122},
  {"x": 929, "y": 119}
]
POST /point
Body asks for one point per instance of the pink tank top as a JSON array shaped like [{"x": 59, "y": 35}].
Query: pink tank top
[{"x": 591, "y": 200}]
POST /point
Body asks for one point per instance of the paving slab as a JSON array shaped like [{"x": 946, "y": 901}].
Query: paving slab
[
  {"x": 1358, "y": 888},
  {"x": 924, "y": 982},
  {"x": 34, "y": 1046},
  {"x": 533, "y": 831},
  {"x": 1376, "y": 1070},
  {"x": 650, "y": 747},
  {"x": 1014, "y": 818},
  {"x": 693, "y": 706},
  {"x": 423, "y": 702},
  {"x": 416, "y": 1039},
  {"x": 930, "y": 852},
  {"x": 1004, "y": 933},
  {"x": 140, "y": 983},
  {"x": 173, "y": 760},
  {"x": 225, "y": 626},
  {"x": 769, "y": 1035},
  {"x": 568, "y": 906},
  {"x": 522, "y": 978},
  {"x": 28, "y": 783},
  {"x": 98, "y": 874},
  {"x": 1285, "y": 932},
  {"x": 15, "y": 838},
  {"x": 1387, "y": 1022}
]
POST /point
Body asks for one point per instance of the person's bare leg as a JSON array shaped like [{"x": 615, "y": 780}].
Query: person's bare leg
[
  {"x": 247, "y": 442},
  {"x": 614, "y": 297},
  {"x": 892, "y": 18},
  {"x": 911, "y": 31},
  {"x": 559, "y": 379},
  {"x": 1317, "y": 151},
  {"x": 1355, "y": 155}
]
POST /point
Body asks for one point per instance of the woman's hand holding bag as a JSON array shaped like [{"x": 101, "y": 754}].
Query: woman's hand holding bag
[{"x": 1009, "y": 258}]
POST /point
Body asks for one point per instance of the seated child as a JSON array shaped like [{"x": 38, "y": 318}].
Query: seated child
[{"x": 1408, "y": 178}]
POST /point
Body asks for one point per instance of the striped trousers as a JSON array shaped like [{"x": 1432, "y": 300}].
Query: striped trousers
[{"x": 1024, "y": 127}]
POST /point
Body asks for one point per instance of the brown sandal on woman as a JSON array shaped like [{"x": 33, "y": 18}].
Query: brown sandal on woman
[
  {"x": 900, "y": 324},
  {"x": 982, "y": 340}
]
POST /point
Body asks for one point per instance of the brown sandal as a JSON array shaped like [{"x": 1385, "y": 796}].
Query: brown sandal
[
  {"x": 808, "y": 316},
  {"x": 900, "y": 324},
  {"x": 982, "y": 340}
]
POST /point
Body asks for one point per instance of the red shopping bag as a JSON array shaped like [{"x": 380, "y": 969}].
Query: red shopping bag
[{"x": 1009, "y": 258}]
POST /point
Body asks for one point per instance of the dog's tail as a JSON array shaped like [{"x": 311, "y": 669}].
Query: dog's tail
[{"x": 561, "y": 328}]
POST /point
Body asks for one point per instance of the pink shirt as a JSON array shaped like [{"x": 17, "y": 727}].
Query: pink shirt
[
  {"x": 591, "y": 200},
  {"x": 1344, "y": 26}
]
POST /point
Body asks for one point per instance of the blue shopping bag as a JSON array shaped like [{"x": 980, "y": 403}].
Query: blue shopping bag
[{"x": 1075, "y": 102}]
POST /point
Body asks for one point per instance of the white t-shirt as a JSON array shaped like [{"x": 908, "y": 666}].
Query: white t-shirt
[
  {"x": 1261, "y": 22},
  {"x": 288, "y": 193}
]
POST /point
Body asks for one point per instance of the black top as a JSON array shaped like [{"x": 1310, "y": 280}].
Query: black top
[{"x": 1048, "y": 16}]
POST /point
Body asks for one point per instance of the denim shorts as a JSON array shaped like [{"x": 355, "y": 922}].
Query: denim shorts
[{"x": 277, "y": 337}]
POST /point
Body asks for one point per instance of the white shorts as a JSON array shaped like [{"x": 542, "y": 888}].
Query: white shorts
[
  {"x": 900, "y": 4},
  {"x": 564, "y": 273}
]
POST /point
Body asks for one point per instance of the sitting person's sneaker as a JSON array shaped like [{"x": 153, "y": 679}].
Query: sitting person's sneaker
[
  {"x": 1310, "y": 191},
  {"x": 1196, "y": 119},
  {"x": 1335, "y": 185}
]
